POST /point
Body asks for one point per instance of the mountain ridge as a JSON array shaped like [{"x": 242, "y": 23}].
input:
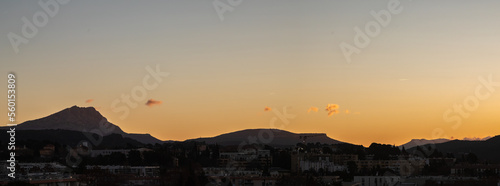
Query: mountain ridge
[
  {"x": 82, "y": 119},
  {"x": 486, "y": 150},
  {"x": 420, "y": 142},
  {"x": 263, "y": 136},
  {"x": 88, "y": 119}
]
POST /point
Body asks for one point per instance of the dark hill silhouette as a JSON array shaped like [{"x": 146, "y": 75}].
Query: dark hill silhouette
[
  {"x": 488, "y": 150},
  {"x": 421, "y": 142},
  {"x": 280, "y": 138},
  {"x": 72, "y": 138}
]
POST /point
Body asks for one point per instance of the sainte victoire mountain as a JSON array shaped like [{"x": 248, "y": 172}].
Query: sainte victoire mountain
[{"x": 83, "y": 120}]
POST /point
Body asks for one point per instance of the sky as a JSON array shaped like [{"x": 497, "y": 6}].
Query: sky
[{"x": 430, "y": 57}]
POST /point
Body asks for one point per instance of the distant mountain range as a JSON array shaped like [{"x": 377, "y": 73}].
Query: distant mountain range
[
  {"x": 89, "y": 120},
  {"x": 422, "y": 142},
  {"x": 74, "y": 124},
  {"x": 485, "y": 150}
]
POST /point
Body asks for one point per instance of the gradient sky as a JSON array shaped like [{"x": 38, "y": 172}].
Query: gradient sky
[{"x": 265, "y": 53}]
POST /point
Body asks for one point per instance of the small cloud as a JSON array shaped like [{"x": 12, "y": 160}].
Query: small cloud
[
  {"x": 347, "y": 111},
  {"x": 331, "y": 113},
  {"x": 89, "y": 100},
  {"x": 267, "y": 108},
  {"x": 331, "y": 107},
  {"x": 315, "y": 109},
  {"x": 152, "y": 102}
]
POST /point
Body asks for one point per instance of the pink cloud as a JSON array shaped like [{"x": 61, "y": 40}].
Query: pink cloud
[
  {"x": 315, "y": 109},
  {"x": 152, "y": 102}
]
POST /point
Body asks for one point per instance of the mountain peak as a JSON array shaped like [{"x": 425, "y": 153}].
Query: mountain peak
[
  {"x": 73, "y": 118},
  {"x": 81, "y": 119},
  {"x": 83, "y": 110},
  {"x": 78, "y": 114}
]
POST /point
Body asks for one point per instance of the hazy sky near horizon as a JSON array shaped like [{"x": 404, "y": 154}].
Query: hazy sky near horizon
[{"x": 222, "y": 74}]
